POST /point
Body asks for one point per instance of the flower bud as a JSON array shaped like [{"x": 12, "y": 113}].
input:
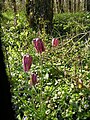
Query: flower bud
[
  {"x": 55, "y": 42},
  {"x": 38, "y": 44},
  {"x": 27, "y": 62},
  {"x": 33, "y": 80},
  {"x": 80, "y": 83}
]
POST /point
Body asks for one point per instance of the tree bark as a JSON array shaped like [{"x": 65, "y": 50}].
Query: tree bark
[
  {"x": 88, "y": 5},
  {"x": 48, "y": 14},
  {"x": 5, "y": 95},
  {"x": 74, "y": 6},
  {"x": 85, "y": 5},
  {"x": 15, "y": 11},
  {"x": 69, "y": 5}
]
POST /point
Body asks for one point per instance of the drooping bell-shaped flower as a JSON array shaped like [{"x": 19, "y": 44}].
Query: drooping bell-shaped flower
[
  {"x": 27, "y": 62},
  {"x": 55, "y": 42},
  {"x": 39, "y": 45},
  {"x": 33, "y": 80}
]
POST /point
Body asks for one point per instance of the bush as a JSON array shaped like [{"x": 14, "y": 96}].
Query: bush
[{"x": 71, "y": 23}]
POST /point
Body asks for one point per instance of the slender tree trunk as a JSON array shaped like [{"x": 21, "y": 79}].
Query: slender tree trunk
[
  {"x": 54, "y": 9},
  {"x": 69, "y": 5},
  {"x": 85, "y": 5},
  {"x": 88, "y": 5},
  {"x": 78, "y": 5},
  {"x": 74, "y": 6},
  {"x": 60, "y": 5},
  {"x": 65, "y": 6},
  {"x": 15, "y": 12},
  {"x": 67, "y": 2},
  {"x": 82, "y": 5},
  {"x": 57, "y": 6}
]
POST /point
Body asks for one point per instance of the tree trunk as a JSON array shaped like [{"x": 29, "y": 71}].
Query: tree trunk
[
  {"x": 59, "y": 5},
  {"x": 78, "y": 5},
  {"x": 82, "y": 5},
  {"x": 69, "y": 5},
  {"x": 62, "y": 6},
  {"x": 5, "y": 95},
  {"x": 65, "y": 6},
  {"x": 74, "y": 6},
  {"x": 85, "y": 5},
  {"x": 30, "y": 13},
  {"x": 15, "y": 12},
  {"x": 48, "y": 14},
  {"x": 88, "y": 5},
  {"x": 54, "y": 7}
]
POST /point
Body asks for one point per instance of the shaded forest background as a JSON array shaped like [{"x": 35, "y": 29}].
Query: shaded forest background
[{"x": 40, "y": 13}]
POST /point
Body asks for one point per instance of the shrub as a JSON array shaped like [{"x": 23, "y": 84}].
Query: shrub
[{"x": 71, "y": 23}]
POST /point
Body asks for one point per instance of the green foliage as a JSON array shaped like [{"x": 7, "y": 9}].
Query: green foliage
[
  {"x": 63, "y": 97},
  {"x": 71, "y": 23}
]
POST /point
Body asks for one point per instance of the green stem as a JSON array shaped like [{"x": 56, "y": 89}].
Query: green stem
[
  {"x": 34, "y": 106},
  {"x": 41, "y": 85}
]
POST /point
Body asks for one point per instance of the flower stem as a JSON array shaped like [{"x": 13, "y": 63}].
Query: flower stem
[{"x": 41, "y": 85}]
